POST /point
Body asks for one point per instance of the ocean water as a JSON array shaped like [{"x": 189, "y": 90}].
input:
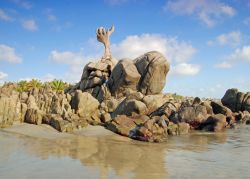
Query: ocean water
[{"x": 198, "y": 155}]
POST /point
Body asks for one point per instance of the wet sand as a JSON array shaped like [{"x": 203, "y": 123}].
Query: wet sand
[
  {"x": 29, "y": 151},
  {"x": 48, "y": 132}
]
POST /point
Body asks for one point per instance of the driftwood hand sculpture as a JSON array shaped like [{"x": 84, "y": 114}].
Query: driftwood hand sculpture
[{"x": 103, "y": 37}]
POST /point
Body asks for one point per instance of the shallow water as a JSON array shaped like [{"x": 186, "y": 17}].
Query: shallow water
[{"x": 198, "y": 155}]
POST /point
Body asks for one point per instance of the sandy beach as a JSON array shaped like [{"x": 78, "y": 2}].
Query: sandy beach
[
  {"x": 41, "y": 152},
  {"x": 48, "y": 132}
]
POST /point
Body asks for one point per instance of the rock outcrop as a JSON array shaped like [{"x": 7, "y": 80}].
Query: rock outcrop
[
  {"x": 43, "y": 105},
  {"x": 33, "y": 116},
  {"x": 11, "y": 109},
  {"x": 146, "y": 74},
  {"x": 194, "y": 115},
  {"x": 95, "y": 74},
  {"x": 236, "y": 101},
  {"x": 153, "y": 68},
  {"x": 140, "y": 128},
  {"x": 128, "y": 107},
  {"x": 124, "y": 78},
  {"x": 122, "y": 107},
  {"x": 214, "y": 123},
  {"x": 126, "y": 98},
  {"x": 218, "y": 108},
  {"x": 85, "y": 105}
]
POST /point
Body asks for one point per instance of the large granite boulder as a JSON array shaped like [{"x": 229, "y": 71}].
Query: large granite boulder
[
  {"x": 146, "y": 74},
  {"x": 124, "y": 77},
  {"x": 152, "y": 130},
  {"x": 183, "y": 128},
  {"x": 140, "y": 127},
  {"x": 57, "y": 122},
  {"x": 130, "y": 106},
  {"x": 33, "y": 116},
  {"x": 208, "y": 106},
  {"x": 122, "y": 125},
  {"x": 112, "y": 104},
  {"x": 246, "y": 102},
  {"x": 153, "y": 102},
  {"x": 153, "y": 68},
  {"x": 167, "y": 109},
  {"x": 101, "y": 93},
  {"x": 193, "y": 115},
  {"x": 236, "y": 101},
  {"x": 84, "y": 104},
  {"x": 94, "y": 74},
  {"x": 218, "y": 108},
  {"x": 214, "y": 123}
]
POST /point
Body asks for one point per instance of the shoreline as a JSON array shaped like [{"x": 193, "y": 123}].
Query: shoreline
[{"x": 45, "y": 131}]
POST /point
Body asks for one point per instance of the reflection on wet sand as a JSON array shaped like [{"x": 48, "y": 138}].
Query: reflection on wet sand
[
  {"x": 198, "y": 141},
  {"x": 112, "y": 155},
  {"x": 107, "y": 153}
]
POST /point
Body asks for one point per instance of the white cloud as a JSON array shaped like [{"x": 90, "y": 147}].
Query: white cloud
[
  {"x": 8, "y": 54},
  {"x": 217, "y": 87},
  {"x": 209, "y": 12},
  {"x": 246, "y": 21},
  {"x": 4, "y": 16},
  {"x": 75, "y": 60},
  {"x": 56, "y": 26},
  {"x": 51, "y": 17},
  {"x": 223, "y": 64},
  {"x": 26, "y": 79},
  {"x": 3, "y": 75},
  {"x": 73, "y": 75},
  {"x": 177, "y": 52},
  {"x": 185, "y": 69},
  {"x": 232, "y": 38},
  {"x": 60, "y": 27},
  {"x": 134, "y": 46},
  {"x": 30, "y": 25},
  {"x": 48, "y": 77},
  {"x": 67, "y": 57},
  {"x": 238, "y": 56},
  {"x": 22, "y": 3}
]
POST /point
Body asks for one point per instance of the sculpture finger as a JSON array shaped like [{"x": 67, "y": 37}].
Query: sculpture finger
[
  {"x": 97, "y": 31},
  {"x": 100, "y": 29},
  {"x": 111, "y": 30},
  {"x": 103, "y": 31}
]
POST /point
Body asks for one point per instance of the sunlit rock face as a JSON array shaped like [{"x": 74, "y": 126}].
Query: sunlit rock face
[
  {"x": 146, "y": 74},
  {"x": 236, "y": 100},
  {"x": 153, "y": 68}
]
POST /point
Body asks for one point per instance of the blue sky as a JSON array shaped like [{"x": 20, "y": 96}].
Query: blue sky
[{"x": 207, "y": 42}]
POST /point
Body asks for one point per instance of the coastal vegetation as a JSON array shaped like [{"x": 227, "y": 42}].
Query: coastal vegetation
[{"x": 29, "y": 85}]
